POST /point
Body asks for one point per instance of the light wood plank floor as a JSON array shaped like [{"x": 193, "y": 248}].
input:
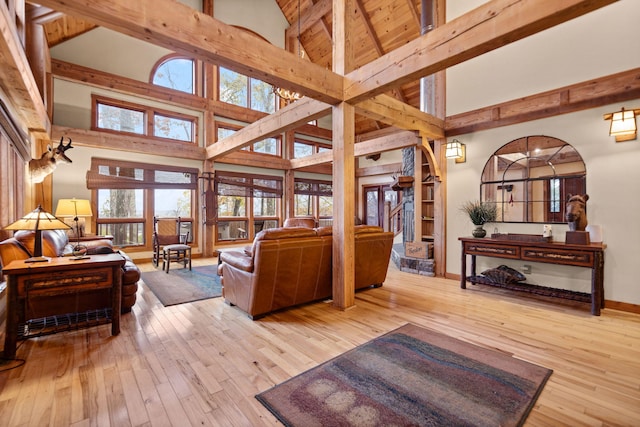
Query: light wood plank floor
[{"x": 202, "y": 363}]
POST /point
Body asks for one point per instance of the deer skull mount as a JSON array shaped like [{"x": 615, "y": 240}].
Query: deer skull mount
[{"x": 40, "y": 168}]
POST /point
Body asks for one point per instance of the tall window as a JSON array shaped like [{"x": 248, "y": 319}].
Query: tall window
[
  {"x": 175, "y": 73},
  {"x": 302, "y": 148},
  {"x": 247, "y": 204},
  {"x": 314, "y": 198},
  {"x": 112, "y": 115},
  {"x": 128, "y": 196},
  {"x": 244, "y": 91},
  {"x": 269, "y": 145}
]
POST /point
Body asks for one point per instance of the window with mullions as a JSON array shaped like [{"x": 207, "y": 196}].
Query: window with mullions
[
  {"x": 119, "y": 116},
  {"x": 123, "y": 190},
  {"x": 175, "y": 73},
  {"x": 307, "y": 148},
  {"x": 269, "y": 145},
  {"x": 530, "y": 178},
  {"x": 313, "y": 198},
  {"x": 247, "y": 204},
  {"x": 237, "y": 89}
]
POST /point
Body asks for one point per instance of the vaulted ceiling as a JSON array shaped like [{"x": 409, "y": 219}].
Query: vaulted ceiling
[{"x": 379, "y": 27}]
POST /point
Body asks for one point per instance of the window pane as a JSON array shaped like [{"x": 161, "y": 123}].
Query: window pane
[
  {"x": 262, "y": 96},
  {"x": 322, "y": 149},
  {"x": 267, "y": 146},
  {"x": 120, "y": 203},
  {"x": 117, "y": 171},
  {"x": 233, "y": 87},
  {"x": 120, "y": 119},
  {"x": 223, "y": 133},
  {"x": 172, "y": 203},
  {"x": 262, "y": 224},
  {"x": 232, "y": 206},
  {"x": 301, "y": 150},
  {"x": 264, "y": 206},
  {"x": 232, "y": 230},
  {"x": 173, "y": 128},
  {"x": 326, "y": 206},
  {"x": 124, "y": 234},
  {"x": 176, "y": 74},
  {"x": 303, "y": 205}
]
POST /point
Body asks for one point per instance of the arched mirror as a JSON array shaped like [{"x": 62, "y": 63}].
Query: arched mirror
[{"x": 529, "y": 179}]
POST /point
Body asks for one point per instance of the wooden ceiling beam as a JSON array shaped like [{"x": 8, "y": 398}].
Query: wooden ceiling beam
[
  {"x": 287, "y": 118},
  {"x": 488, "y": 27},
  {"x": 389, "y": 110},
  {"x": 41, "y": 15},
  {"x": 606, "y": 90},
  {"x": 192, "y": 33},
  {"x": 17, "y": 81},
  {"x": 308, "y": 18},
  {"x": 381, "y": 144},
  {"x": 136, "y": 144}
]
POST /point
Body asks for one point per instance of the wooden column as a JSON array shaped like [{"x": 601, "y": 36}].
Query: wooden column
[{"x": 343, "y": 164}]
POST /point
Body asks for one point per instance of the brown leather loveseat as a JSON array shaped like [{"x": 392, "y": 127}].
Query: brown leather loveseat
[
  {"x": 56, "y": 243},
  {"x": 290, "y": 266}
]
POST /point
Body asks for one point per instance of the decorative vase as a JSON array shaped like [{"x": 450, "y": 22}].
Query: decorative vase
[{"x": 479, "y": 231}]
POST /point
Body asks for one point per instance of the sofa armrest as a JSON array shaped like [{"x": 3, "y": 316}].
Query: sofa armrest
[{"x": 237, "y": 259}]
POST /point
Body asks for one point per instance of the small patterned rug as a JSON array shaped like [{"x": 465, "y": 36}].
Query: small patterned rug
[
  {"x": 410, "y": 376},
  {"x": 181, "y": 285}
]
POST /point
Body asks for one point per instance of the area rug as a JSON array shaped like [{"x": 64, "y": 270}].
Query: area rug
[
  {"x": 410, "y": 376},
  {"x": 181, "y": 285}
]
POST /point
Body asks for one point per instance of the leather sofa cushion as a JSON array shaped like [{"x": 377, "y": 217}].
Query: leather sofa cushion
[
  {"x": 367, "y": 229},
  {"x": 285, "y": 233},
  {"x": 324, "y": 231},
  {"x": 238, "y": 259}
]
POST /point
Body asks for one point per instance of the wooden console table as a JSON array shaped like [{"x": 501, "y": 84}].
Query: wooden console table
[
  {"x": 589, "y": 256},
  {"x": 59, "y": 287}
]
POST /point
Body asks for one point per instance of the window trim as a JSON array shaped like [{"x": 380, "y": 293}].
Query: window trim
[
  {"x": 197, "y": 72},
  {"x": 149, "y": 119}
]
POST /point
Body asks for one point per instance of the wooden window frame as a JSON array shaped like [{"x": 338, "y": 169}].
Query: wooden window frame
[{"x": 149, "y": 119}]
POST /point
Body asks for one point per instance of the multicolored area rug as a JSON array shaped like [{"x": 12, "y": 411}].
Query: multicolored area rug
[
  {"x": 410, "y": 376},
  {"x": 181, "y": 285}
]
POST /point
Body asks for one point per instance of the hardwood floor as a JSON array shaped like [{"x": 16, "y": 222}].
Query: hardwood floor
[{"x": 202, "y": 363}]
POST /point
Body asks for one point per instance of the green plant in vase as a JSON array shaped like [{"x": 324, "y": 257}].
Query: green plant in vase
[{"x": 480, "y": 213}]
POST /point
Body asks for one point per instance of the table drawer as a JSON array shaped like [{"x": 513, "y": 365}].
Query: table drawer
[
  {"x": 501, "y": 251},
  {"x": 64, "y": 282},
  {"x": 559, "y": 256}
]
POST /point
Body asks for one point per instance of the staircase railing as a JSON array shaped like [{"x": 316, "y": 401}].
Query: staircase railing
[{"x": 392, "y": 218}]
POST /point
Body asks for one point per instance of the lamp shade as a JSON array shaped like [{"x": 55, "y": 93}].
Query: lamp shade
[
  {"x": 37, "y": 220},
  {"x": 453, "y": 150},
  {"x": 623, "y": 123},
  {"x": 73, "y": 208}
]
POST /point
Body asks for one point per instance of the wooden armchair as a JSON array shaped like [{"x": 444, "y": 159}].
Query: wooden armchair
[{"x": 166, "y": 231}]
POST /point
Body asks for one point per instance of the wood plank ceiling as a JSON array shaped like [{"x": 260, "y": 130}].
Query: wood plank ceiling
[{"x": 380, "y": 27}]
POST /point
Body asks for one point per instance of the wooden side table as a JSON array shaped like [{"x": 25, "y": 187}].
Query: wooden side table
[{"x": 61, "y": 286}]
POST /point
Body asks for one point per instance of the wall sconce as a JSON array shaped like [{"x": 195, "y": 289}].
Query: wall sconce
[
  {"x": 456, "y": 150},
  {"x": 623, "y": 124}
]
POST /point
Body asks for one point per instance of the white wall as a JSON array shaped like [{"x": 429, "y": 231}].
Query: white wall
[{"x": 573, "y": 52}]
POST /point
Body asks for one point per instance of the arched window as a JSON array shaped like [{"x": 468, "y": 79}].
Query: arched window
[{"x": 175, "y": 72}]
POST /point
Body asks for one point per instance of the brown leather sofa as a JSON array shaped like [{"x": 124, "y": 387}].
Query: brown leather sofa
[
  {"x": 293, "y": 265},
  {"x": 56, "y": 243}
]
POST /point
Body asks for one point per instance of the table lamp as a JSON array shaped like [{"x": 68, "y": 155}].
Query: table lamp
[
  {"x": 37, "y": 220},
  {"x": 78, "y": 209}
]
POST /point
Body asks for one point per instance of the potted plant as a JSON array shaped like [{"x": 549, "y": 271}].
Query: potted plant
[{"x": 480, "y": 213}]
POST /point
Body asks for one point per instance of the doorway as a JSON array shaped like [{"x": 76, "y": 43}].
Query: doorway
[{"x": 375, "y": 197}]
